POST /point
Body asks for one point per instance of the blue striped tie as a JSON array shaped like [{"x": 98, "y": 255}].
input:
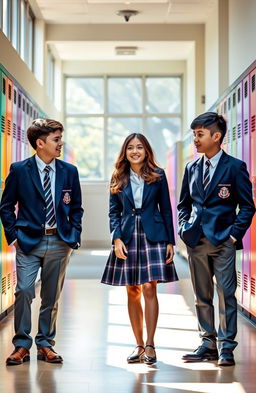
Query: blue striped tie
[
  {"x": 50, "y": 214},
  {"x": 206, "y": 179}
]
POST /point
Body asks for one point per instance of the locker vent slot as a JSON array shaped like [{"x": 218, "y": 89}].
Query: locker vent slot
[
  {"x": 4, "y": 286},
  {"x": 234, "y": 133},
  {"x": 239, "y": 95},
  {"x": 31, "y": 111},
  {"x": 4, "y": 86},
  {"x": 239, "y": 130},
  {"x": 15, "y": 96},
  {"x": 239, "y": 278},
  {"x": 14, "y": 130},
  {"x": 2, "y": 123},
  {"x": 234, "y": 99},
  {"x": 18, "y": 134},
  {"x": 245, "y": 282},
  {"x": 27, "y": 108},
  {"x": 9, "y": 281},
  {"x": 229, "y": 103},
  {"x": 8, "y": 126},
  {"x": 34, "y": 114},
  {"x": 22, "y": 136},
  {"x": 19, "y": 100},
  {"x": 225, "y": 107},
  {"x": 14, "y": 278},
  {"x": 253, "y": 82},
  {"x": 253, "y": 123},
  {"x": 246, "y": 126},
  {"x": 9, "y": 92},
  {"x": 23, "y": 105},
  {"x": 246, "y": 89},
  {"x": 253, "y": 292},
  {"x": 228, "y": 136}
]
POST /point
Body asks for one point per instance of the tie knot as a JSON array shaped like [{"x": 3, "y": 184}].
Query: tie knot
[
  {"x": 47, "y": 168},
  {"x": 207, "y": 163}
]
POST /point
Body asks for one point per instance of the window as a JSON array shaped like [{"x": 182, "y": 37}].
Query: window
[
  {"x": 15, "y": 24},
  {"x": 6, "y": 20},
  {"x": 102, "y": 111},
  {"x": 50, "y": 74}
]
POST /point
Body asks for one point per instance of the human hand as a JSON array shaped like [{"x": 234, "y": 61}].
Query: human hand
[
  {"x": 120, "y": 249},
  {"x": 169, "y": 253}
]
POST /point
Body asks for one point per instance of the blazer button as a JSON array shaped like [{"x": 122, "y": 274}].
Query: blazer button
[
  {"x": 133, "y": 210},
  {"x": 132, "y": 214},
  {"x": 42, "y": 225}
]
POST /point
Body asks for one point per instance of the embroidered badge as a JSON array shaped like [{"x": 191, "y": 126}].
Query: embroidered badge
[
  {"x": 66, "y": 198},
  {"x": 224, "y": 192}
]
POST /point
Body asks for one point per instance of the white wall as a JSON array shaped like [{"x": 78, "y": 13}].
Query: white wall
[{"x": 242, "y": 36}]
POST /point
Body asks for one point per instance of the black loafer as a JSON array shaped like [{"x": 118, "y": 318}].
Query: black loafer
[
  {"x": 135, "y": 357},
  {"x": 150, "y": 359},
  {"x": 226, "y": 358},
  {"x": 201, "y": 354}
]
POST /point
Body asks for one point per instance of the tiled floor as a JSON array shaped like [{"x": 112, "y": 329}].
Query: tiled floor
[{"x": 94, "y": 337}]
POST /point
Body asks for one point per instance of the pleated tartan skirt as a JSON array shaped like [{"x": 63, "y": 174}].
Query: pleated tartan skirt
[{"x": 145, "y": 262}]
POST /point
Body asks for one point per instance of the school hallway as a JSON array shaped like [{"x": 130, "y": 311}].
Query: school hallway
[{"x": 94, "y": 337}]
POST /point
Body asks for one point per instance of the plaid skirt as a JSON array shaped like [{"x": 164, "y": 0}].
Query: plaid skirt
[{"x": 145, "y": 262}]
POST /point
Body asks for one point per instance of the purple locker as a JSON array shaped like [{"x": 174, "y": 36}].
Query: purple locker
[
  {"x": 23, "y": 126},
  {"x": 229, "y": 124},
  {"x": 247, "y": 158},
  {"x": 14, "y": 123},
  {"x": 27, "y": 123},
  {"x": 19, "y": 121}
]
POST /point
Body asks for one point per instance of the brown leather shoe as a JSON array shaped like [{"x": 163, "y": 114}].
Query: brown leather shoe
[
  {"x": 47, "y": 354},
  {"x": 18, "y": 356}
]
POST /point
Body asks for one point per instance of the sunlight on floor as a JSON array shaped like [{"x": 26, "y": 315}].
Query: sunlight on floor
[{"x": 234, "y": 387}]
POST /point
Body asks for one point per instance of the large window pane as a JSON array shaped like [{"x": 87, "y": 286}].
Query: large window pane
[
  {"x": 15, "y": 23},
  {"x": 84, "y": 96},
  {"x": 22, "y": 30},
  {"x": 124, "y": 95},
  {"x": 30, "y": 42},
  {"x": 86, "y": 137},
  {"x": 162, "y": 133},
  {"x": 118, "y": 129},
  {"x": 6, "y": 18},
  {"x": 163, "y": 95}
]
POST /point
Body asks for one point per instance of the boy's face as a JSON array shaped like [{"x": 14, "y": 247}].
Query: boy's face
[
  {"x": 204, "y": 141},
  {"x": 51, "y": 148}
]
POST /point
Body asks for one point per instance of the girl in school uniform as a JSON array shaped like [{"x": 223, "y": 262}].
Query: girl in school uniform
[{"x": 143, "y": 238}]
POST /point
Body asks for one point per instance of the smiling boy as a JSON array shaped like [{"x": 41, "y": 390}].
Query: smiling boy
[
  {"x": 213, "y": 187},
  {"x": 46, "y": 229}
]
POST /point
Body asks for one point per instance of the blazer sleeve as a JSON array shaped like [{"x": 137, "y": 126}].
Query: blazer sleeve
[
  {"x": 166, "y": 209},
  {"x": 7, "y": 206},
  {"x": 76, "y": 210},
  {"x": 115, "y": 210},
  {"x": 185, "y": 203},
  {"x": 245, "y": 202}
]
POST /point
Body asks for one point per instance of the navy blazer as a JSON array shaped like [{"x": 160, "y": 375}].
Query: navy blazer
[
  {"x": 214, "y": 213},
  {"x": 23, "y": 186},
  {"x": 156, "y": 212}
]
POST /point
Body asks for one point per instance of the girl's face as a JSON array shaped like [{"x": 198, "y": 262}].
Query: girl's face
[{"x": 135, "y": 152}]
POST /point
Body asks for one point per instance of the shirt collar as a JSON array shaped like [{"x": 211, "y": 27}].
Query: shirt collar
[
  {"x": 215, "y": 159},
  {"x": 41, "y": 164},
  {"x": 135, "y": 177}
]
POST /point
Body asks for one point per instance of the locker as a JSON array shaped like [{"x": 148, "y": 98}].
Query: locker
[
  {"x": 253, "y": 175},
  {"x": 233, "y": 124},
  {"x": 239, "y": 154},
  {"x": 19, "y": 118},
  {"x": 14, "y": 123},
  {"x": 3, "y": 127},
  {"x": 223, "y": 112},
  {"x": 27, "y": 122},
  {"x": 9, "y": 105},
  {"x": 23, "y": 127},
  {"x": 246, "y": 279},
  {"x": 229, "y": 125}
]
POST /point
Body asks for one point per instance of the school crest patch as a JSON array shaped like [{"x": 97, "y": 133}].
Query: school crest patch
[
  {"x": 224, "y": 192},
  {"x": 66, "y": 198}
]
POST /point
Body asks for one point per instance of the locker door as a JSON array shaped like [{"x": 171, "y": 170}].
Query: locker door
[
  {"x": 246, "y": 279},
  {"x": 233, "y": 124},
  {"x": 19, "y": 124},
  {"x": 239, "y": 154},
  {"x": 253, "y": 176},
  {"x": 1, "y": 185},
  {"x": 223, "y": 112},
  {"x": 229, "y": 125},
  {"x": 14, "y": 123},
  {"x": 23, "y": 126},
  {"x": 27, "y": 122}
]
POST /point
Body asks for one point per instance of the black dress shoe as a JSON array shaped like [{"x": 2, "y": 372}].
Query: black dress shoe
[
  {"x": 201, "y": 354},
  {"x": 136, "y": 357},
  {"x": 226, "y": 358},
  {"x": 150, "y": 359}
]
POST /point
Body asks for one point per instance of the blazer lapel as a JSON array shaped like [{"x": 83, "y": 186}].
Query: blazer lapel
[
  {"x": 128, "y": 192},
  {"x": 34, "y": 174},
  {"x": 59, "y": 181},
  {"x": 198, "y": 173},
  {"x": 146, "y": 191},
  {"x": 219, "y": 172}
]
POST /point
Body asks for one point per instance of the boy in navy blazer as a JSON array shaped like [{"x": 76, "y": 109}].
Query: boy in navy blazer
[
  {"x": 213, "y": 187},
  {"x": 46, "y": 229}
]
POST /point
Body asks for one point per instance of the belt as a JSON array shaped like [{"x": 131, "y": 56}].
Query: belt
[{"x": 50, "y": 231}]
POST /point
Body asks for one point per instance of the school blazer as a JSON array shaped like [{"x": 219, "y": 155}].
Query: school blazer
[
  {"x": 214, "y": 213},
  {"x": 156, "y": 212},
  {"x": 23, "y": 186}
]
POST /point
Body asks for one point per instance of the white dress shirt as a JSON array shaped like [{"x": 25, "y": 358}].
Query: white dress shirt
[
  {"x": 137, "y": 184},
  {"x": 213, "y": 163}
]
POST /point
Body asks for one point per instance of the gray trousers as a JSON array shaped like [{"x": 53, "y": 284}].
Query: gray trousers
[
  {"x": 52, "y": 255},
  {"x": 206, "y": 261}
]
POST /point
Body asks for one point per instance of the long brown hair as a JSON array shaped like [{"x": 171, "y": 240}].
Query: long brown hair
[{"x": 120, "y": 176}]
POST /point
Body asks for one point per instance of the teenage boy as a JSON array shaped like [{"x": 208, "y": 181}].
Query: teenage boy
[
  {"x": 46, "y": 229},
  {"x": 213, "y": 187}
]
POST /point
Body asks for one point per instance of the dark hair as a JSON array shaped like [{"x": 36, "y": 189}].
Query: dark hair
[
  {"x": 212, "y": 121},
  {"x": 41, "y": 128},
  {"x": 121, "y": 173}
]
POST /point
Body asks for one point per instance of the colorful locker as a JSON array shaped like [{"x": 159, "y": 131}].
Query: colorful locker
[
  {"x": 229, "y": 125},
  {"x": 27, "y": 122},
  {"x": 223, "y": 112},
  {"x": 246, "y": 279},
  {"x": 239, "y": 154},
  {"x": 19, "y": 121},
  {"x": 23, "y": 126},
  {"x": 9, "y": 105},
  {"x": 233, "y": 123},
  {"x": 253, "y": 176},
  {"x": 14, "y": 123}
]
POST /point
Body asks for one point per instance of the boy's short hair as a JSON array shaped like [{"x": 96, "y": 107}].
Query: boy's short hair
[
  {"x": 41, "y": 128},
  {"x": 212, "y": 121}
]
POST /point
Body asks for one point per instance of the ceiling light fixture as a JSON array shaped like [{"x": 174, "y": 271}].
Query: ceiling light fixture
[
  {"x": 126, "y": 50},
  {"x": 126, "y": 14}
]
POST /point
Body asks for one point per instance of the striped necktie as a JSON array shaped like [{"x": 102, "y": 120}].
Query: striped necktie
[
  {"x": 50, "y": 214},
  {"x": 206, "y": 179}
]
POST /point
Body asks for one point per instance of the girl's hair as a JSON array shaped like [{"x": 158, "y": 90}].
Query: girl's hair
[{"x": 120, "y": 176}]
